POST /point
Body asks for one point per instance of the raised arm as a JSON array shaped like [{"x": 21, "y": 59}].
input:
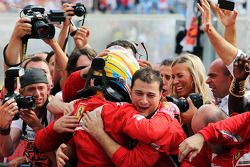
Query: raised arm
[
  {"x": 237, "y": 102},
  {"x": 228, "y": 19},
  {"x": 12, "y": 52},
  {"x": 226, "y": 51}
]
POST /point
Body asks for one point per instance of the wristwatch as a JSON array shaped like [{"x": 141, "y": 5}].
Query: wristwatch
[{"x": 5, "y": 131}]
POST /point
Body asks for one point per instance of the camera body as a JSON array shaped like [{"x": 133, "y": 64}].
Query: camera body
[
  {"x": 226, "y": 4},
  {"x": 79, "y": 9},
  {"x": 183, "y": 103},
  {"x": 23, "y": 102},
  {"x": 41, "y": 26}
]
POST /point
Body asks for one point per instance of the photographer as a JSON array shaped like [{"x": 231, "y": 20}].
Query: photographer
[
  {"x": 33, "y": 83},
  {"x": 12, "y": 52},
  {"x": 34, "y": 25}
]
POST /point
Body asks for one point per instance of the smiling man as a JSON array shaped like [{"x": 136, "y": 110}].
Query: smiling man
[{"x": 219, "y": 80}]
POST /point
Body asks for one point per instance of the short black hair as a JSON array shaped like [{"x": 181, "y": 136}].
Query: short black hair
[
  {"x": 147, "y": 75},
  {"x": 123, "y": 43}
]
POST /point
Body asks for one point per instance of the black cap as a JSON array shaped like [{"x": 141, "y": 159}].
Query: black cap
[{"x": 33, "y": 76}]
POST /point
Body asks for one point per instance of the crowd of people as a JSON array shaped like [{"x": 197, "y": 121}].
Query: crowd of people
[
  {"x": 107, "y": 6},
  {"x": 115, "y": 6},
  {"x": 113, "y": 109}
]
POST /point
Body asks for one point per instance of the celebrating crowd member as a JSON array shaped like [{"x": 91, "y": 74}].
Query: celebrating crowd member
[
  {"x": 166, "y": 73},
  {"x": 186, "y": 80},
  {"x": 219, "y": 80},
  {"x": 232, "y": 132},
  {"x": 141, "y": 99},
  {"x": 142, "y": 106}
]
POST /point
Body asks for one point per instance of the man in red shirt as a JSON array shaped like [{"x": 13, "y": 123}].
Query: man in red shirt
[
  {"x": 232, "y": 132},
  {"x": 120, "y": 119}
]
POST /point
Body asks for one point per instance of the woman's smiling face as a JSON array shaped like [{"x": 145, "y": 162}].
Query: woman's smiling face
[{"x": 182, "y": 80}]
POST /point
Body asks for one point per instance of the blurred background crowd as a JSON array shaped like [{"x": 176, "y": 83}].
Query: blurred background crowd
[{"x": 115, "y": 6}]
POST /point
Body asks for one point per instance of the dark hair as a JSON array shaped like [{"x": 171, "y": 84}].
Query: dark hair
[
  {"x": 123, "y": 43},
  {"x": 147, "y": 75},
  {"x": 166, "y": 62},
  {"x": 71, "y": 65},
  {"x": 34, "y": 59}
]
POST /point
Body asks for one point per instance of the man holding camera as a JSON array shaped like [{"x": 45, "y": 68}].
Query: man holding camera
[{"x": 33, "y": 83}]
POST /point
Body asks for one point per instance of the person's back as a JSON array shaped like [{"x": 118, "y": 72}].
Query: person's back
[{"x": 217, "y": 154}]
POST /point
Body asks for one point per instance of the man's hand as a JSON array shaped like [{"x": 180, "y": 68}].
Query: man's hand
[
  {"x": 191, "y": 146},
  {"x": 31, "y": 119},
  {"x": 227, "y": 17},
  {"x": 61, "y": 155},
  {"x": 7, "y": 112},
  {"x": 81, "y": 37},
  {"x": 206, "y": 14},
  {"x": 51, "y": 42},
  {"x": 241, "y": 67},
  {"x": 69, "y": 10},
  {"x": 22, "y": 28},
  {"x": 93, "y": 123},
  {"x": 66, "y": 123},
  {"x": 144, "y": 63}
]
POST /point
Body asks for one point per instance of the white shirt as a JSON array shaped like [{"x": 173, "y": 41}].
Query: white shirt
[{"x": 30, "y": 134}]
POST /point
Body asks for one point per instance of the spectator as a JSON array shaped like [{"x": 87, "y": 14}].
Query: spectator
[
  {"x": 166, "y": 74},
  {"x": 229, "y": 54},
  {"x": 219, "y": 80},
  {"x": 206, "y": 114},
  {"x": 186, "y": 80},
  {"x": 80, "y": 59},
  {"x": 232, "y": 132}
]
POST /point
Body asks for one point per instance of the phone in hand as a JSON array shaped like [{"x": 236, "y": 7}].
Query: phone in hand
[{"x": 226, "y": 4}]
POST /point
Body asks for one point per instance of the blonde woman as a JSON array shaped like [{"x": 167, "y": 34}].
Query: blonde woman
[{"x": 189, "y": 76}]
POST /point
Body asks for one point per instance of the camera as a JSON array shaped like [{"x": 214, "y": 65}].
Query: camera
[
  {"x": 23, "y": 102},
  {"x": 183, "y": 103},
  {"x": 226, "y": 4},
  {"x": 41, "y": 22},
  {"x": 79, "y": 9}
]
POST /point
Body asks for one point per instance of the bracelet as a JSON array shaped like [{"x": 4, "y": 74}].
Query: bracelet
[
  {"x": 237, "y": 88},
  {"x": 5, "y": 131}
]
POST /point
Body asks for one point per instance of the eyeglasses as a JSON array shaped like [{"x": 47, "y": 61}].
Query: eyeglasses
[{"x": 141, "y": 51}]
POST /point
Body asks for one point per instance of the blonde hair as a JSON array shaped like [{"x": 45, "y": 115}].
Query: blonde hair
[{"x": 197, "y": 71}]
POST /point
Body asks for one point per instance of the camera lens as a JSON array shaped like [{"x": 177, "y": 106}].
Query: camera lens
[
  {"x": 41, "y": 28},
  {"x": 79, "y": 10}
]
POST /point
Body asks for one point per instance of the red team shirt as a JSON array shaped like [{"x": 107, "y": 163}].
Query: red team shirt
[{"x": 233, "y": 132}]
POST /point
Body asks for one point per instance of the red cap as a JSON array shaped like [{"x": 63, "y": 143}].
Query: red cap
[{"x": 72, "y": 85}]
